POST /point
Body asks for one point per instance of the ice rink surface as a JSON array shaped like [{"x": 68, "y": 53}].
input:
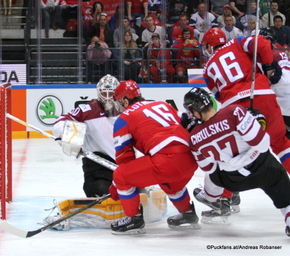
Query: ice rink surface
[{"x": 42, "y": 173}]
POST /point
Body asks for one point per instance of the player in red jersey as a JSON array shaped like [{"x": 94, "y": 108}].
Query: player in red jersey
[
  {"x": 99, "y": 115},
  {"x": 228, "y": 75},
  {"x": 154, "y": 129},
  {"x": 233, "y": 150}
]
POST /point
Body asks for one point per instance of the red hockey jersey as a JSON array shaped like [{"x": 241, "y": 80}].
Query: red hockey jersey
[
  {"x": 228, "y": 73},
  {"x": 149, "y": 127}
]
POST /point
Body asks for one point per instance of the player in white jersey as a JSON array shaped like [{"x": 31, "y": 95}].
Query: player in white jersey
[
  {"x": 282, "y": 90},
  {"x": 280, "y": 81},
  {"x": 233, "y": 150},
  {"x": 99, "y": 115}
]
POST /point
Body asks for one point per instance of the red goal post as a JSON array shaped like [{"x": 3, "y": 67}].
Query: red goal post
[{"x": 5, "y": 149}]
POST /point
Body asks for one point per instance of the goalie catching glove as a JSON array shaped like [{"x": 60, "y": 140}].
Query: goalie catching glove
[{"x": 260, "y": 117}]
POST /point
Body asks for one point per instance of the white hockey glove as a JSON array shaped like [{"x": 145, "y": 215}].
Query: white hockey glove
[{"x": 73, "y": 137}]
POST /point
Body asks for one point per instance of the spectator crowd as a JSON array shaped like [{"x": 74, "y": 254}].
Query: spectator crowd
[{"x": 157, "y": 46}]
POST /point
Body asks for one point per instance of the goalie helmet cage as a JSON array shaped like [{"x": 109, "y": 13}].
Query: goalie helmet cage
[{"x": 5, "y": 149}]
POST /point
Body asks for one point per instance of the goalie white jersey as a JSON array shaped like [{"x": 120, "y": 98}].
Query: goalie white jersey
[{"x": 99, "y": 135}]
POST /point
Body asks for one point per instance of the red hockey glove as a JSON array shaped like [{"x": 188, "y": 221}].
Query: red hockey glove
[{"x": 113, "y": 191}]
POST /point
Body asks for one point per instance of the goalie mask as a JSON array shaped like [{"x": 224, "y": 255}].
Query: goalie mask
[{"x": 105, "y": 91}]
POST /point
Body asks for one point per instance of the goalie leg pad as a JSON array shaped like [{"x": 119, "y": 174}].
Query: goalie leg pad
[
  {"x": 102, "y": 215},
  {"x": 64, "y": 225}
]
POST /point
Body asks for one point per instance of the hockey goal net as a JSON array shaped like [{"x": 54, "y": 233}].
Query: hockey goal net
[{"x": 5, "y": 149}]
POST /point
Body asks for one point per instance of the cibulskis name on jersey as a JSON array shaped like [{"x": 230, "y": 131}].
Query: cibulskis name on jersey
[
  {"x": 211, "y": 130},
  {"x": 229, "y": 144}
]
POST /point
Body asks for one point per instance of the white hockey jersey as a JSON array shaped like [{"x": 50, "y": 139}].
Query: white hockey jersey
[{"x": 99, "y": 135}]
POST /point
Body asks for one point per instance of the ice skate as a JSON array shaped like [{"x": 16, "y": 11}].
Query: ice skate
[
  {"x": 235, "y": 202},
  {"x": 129, "y": 225},
  {"x": 186, "y": 220},
  {"x": 199, "y": 194},
  {"x": 220, "y": 217},
  {"x": 287, "y": 231}
]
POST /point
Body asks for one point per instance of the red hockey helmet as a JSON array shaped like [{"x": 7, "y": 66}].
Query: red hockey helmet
[
  {"x": 214, "y": 37},
  {"x": 128, "y": 88}
]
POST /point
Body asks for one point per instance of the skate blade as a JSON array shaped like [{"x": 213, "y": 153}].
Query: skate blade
[
  {"x": 185, "y": 227},
  {"x": 235, "y": 208},
  {"x": 137, "y": 231},
  {"x": 215, "y": 220}
]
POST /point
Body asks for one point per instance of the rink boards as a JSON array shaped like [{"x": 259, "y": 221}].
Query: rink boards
[{"x": 41, "y": 105}]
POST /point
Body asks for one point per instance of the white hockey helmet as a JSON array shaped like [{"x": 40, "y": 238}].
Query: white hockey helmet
[
  {"x": 106, "y": 88},
  {"x": 105, "y": 91}
]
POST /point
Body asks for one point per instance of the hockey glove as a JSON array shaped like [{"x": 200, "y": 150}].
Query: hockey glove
[
  {"x": 273, "y": 71},
  {"x": 275, "y": 77},
  {"x": 187, "y": 122},
  {"x": 260, "y": 117},
  {"x": 268, "y": 70},
  {"x": 113, "y": 192}
]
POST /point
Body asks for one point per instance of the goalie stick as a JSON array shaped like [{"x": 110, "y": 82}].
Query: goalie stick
[
  {"x": 25, "y": 234},
  {"x": 90, "y": 155}
]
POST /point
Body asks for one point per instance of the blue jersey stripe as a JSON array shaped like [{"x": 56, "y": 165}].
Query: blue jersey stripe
[
  {"x": 179, "y": 198},
  {"x": 130, "y": 196}
]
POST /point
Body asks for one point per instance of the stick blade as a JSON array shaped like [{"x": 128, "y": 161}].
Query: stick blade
[{"x": 13, "y": 230}]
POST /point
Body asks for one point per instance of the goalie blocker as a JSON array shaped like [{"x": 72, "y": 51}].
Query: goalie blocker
[{"x": 102, "y": 215}]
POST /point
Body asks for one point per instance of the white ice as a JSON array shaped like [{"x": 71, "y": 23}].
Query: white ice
[{"x": 41, "y": 173}]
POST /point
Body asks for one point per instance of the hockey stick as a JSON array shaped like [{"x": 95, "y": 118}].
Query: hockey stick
[
  {"x": 90, "y": 155},
  {"x": 25, "y": 234},
  {"x": 31, "y": 126},
  {"x": 255, "y": 56}
]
